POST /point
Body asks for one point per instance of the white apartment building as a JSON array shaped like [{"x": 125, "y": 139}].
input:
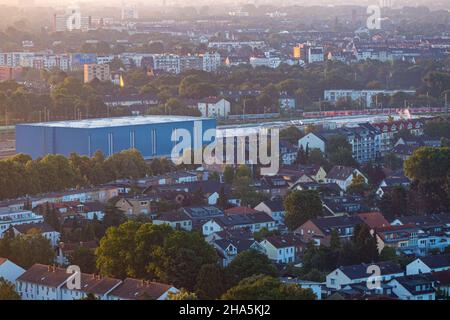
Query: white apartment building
[
  {"x": 10, "y": 217},
  {"x": 167, "y": 62},
  {"x": 13, "y": 59},
  {"x": 211, "y": 61},
  {"x": 265, "y": 62},
  {"x": 316, "y": 54},
  {"x": 47, "y": 61},
  {"x": 366, "y": 96}
]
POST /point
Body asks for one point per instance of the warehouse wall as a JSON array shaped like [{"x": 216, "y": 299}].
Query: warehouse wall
[{"x": 41, "y": 140}]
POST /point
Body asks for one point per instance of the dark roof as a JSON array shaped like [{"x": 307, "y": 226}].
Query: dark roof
[
  {"x": 359, "y": 271},
  {"x": 173, "y": 216},
  {"x": 275, "y": 205},
  {"x": 95, "y": 284},
  {"x": 284, "y": 241},
  {"x": 49, "y": 276},
  {"x": 240, "y": 210},
  {"x": 72, "y": 246},
  {"x": 327, "y": 224},
  {"x": 437, "y": 261},
  {"x": 242, "y": 219},
  {"x": 239, "y": 244},
  {"x": 417, "y": 284},
  {"x": 442, "y": 276},
  {"x": 202, "y": 212},
  {"x": 94, "y": 206},
  {"x": 133, "y": 289},
  {"x": 340, "y": 173},
  {"x": 41, "y": 226}
]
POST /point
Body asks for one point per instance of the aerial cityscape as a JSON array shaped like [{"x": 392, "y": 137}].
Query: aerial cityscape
[{"x": 224, "y": 150}]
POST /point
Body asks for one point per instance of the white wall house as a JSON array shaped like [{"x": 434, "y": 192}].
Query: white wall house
[
  {"x": 10, "y": 217},
  {"x": 311, "y": 141},
  {"x": 279, "y": 253},
  {"x": 9, "y": 270},
  {"x": 418, "y": 287},
  {"x": 345, "y": 275},
  {"x": 429, "y": 264},
  {"x": 214, "y": 108}
]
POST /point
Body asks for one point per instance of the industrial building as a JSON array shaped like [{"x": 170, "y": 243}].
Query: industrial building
[{"x": 151, "y": 135}]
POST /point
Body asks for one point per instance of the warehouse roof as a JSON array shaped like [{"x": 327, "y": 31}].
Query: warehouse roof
[{"x": 115, "y": 122}]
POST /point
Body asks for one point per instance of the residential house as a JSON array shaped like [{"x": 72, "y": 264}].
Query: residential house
[
  {"x": 288, "y": 152},
  {"x": 360, "y": 273},
  {"x": 136, "y": 205},
  {"x": 343, "y": 176},
  {"x": 414, "y": 287},
  {"x": 214, "y": 107},
  {"x": 9, "y": 270},
  {"x": 390, "y": 129},
  {"x": 43, "y": 228},
  {"x": 342, "y": 205},
  {"x": 12, "y": 217},
  {"x": 199, "y": 215},
  {"x": 45, "y": 282},
  {"x": 274, "y": 208},
  {"x": 319, "y": 229},
  {"x": 283, "y": 249},
  {"x": 64, "y": 250},
  {"x": 134, "y": 289},
  {"x": 177, "y": 220},
  {"x": 374, "y": 219},
  {"x": 429, "y": 264},
  {"x": 442, "y": 283},
  {"x": 229, "y": 248},
  {"x": 253, "y": 221}
]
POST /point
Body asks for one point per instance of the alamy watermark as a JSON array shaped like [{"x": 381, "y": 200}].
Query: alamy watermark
[{"x": 260, "y": 148}]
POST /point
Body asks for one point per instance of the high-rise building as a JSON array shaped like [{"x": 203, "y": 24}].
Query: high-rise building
[{"x": 96, "y": 71}]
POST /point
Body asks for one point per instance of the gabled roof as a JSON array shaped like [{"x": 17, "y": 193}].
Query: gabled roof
[
  {"x": 275, "y": 205},
  {"x": 95, "y": 284},
  {"x": 437, "y": 261},
  {"x": 240, "y": 210},
  {"x": 374, "y": 219},
  {"x": 417, "y": 284},
  {"x": 327, "y": 224},
  {"x": 340, "y": 173},
  {"x": 134, "y": 289},
  {"x": 242, "y": 219},
  {"x": 173, "y": 216},
  {"x": 42, "y": 227},
  {"x": 49, "y": 276},
  {"x": 285, "y": 241},
  {"x": 239, "y": 244},
  {"x": 359, "y": 271}
]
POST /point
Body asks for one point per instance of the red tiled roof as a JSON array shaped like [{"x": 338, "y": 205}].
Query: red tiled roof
[
  {"x": 133, "y": 289},
  {"x": 374, "y": 219}
]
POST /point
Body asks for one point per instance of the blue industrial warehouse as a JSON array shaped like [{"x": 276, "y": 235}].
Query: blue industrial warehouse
[{"x": 151, "y": 135}]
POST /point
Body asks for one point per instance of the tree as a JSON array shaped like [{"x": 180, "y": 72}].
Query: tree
[
  {"x": 260, "y": 287},
  {"x": 222, "y": 201},
  {"x": 113, "y": 216},
  {"x": 182, "y": 295},
  {"x": 365, "y": 244},
  {"x": 339, "y": 151},
  {"x": 210, "y": 282},
  {"x": 228, "y": 174},
  {"x": 85, "y": 259},
  {"x": 181, "y": 257},
  {"x": 7, "y": 291},
  {"x": 300, "y": 207},
  {"x": 292, "y": 134},
  {"x": 248, "y": 263},
  {"x": 28, "y": 249},
  {"x": 358, "y": 185},
  {"x": 264, "y": 233}
]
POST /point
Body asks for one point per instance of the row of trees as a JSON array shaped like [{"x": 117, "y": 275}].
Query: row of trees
[
  {"x": 21, "y": 175},
  {"x": 184, "y": 259}
]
